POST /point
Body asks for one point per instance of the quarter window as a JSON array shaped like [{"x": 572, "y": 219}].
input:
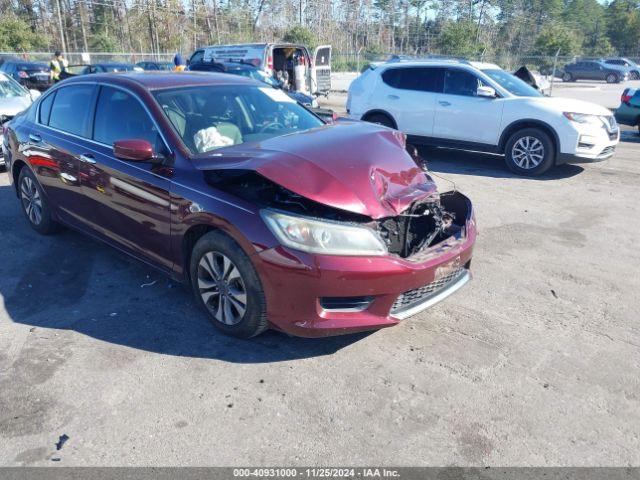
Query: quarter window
[
  {"x": 71, "y": 110},
  {"x": 45, "y": 109}
]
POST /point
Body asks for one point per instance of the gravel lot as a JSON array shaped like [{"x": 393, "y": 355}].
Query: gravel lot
[{"x": 535, "y": 362}]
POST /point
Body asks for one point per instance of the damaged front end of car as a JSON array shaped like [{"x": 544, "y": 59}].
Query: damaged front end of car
[{"x": 425, "y": 223}]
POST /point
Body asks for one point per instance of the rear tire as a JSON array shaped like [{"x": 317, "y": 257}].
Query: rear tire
[
  {"x": 35, "y": 205},
  {"x": 529, "y": 152},
  {"x": 227, "y": 286},
  {"x": 612, "y": 78},
  {"x": 567, "y": 77},
  {"x": 380, "y": 119}
]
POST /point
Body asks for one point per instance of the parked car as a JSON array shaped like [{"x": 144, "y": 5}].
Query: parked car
[
  {"x": 250, "y": 71},
  {"x": 113, "y": 67},
  {"x": 633, "y": 67},
  {"x": 272, "y": 216},
  {"x": 153, "y": 66},
  {"x": 306, "y": 71},
  {"x": 480, "y": 107},
  {"x": 31, "y": 75},
  {"x": 594, "y": 70},
  {"x": 628, "y": 113},
  {"x": 14, "y": 98}
]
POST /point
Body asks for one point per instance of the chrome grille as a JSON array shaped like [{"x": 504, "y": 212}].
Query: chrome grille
[{"x": 410, "y": 298}]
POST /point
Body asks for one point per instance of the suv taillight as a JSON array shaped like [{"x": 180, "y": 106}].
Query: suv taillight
[
  {"x": 23, "y": 74},
  {"x": 625, "y": 98}
]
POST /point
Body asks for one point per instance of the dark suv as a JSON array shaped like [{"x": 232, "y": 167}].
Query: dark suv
[
  {"x": 31, "y": 75},
  {"x": 595, "y": 70}
]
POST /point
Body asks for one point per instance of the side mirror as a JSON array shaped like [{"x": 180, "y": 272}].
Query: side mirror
[
  {"x": 34, "y": 94},
  {"x": 487, "y": 92},
  {"x": 133, "y": 150}
]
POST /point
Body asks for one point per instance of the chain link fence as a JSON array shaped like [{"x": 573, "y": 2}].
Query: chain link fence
[{"x": 81, "y": 58}]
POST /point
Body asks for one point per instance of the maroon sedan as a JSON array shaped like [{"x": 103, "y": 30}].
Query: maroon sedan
[{"x": 272, "y": 216}]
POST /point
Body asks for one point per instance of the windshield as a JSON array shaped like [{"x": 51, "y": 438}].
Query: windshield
[
  {"x": 212, "y": 117},
  {"x": 256, "y": 74},
  {"x": 9, "y": 88},
  {"x": 512, "y": 83}
]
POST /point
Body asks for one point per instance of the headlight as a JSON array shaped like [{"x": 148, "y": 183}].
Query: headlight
[
  {"x": 329, "y": 238},
  {"x": 584, "y": 118}
]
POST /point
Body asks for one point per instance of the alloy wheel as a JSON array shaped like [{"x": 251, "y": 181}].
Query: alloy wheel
[
  {"x": 222, "y": 288},
  {"x": 31, "y": 200},
  {"x": 527, "y": 152}
]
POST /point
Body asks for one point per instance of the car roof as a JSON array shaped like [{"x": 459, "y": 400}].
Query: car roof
[
  {"x": 439, "y": 62},
  {"x": 156, "y": 80}
]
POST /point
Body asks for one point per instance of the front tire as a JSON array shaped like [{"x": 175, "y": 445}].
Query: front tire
[
  {"x": 227, "y": 286},
  {"x": 529, "y": 152},
  {"x": 567, "y": 77},
  {"x": 612, "y": 78},
  {"x": 35, "y": 205}
]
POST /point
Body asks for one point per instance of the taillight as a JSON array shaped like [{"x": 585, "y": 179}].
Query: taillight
[
  {"x": 334, "y": 116},
  {"x": 625, "y": 98},
  {"x": 22, "y": 74},
  {"x": 270, "y": 62}
]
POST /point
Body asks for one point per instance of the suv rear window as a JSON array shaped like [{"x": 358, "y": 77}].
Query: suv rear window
[{"x": 423, "y": 79}]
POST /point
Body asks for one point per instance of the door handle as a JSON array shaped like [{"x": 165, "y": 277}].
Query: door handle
[
  {"x": 87, "y": 158},
  {"x": 35, "y": 138},
  {"x": 444, "y": 103},
  {"x": 393, "y": 97}
]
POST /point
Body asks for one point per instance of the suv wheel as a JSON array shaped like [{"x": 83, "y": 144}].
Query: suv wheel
[
  {"x": 529, "y": 151},
  {"x": 380, "y": 119},
  {"x": 567, "y": 77},
  {"x": 226, "y": 284},
  {"x": 34, "y": 204},
  {"x": 612, "y": 78}
]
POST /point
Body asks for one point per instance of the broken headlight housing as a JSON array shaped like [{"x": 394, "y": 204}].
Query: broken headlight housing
[{"x": 323, "y": 237}]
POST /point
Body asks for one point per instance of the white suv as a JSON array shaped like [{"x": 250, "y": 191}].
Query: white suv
[{"x": 480, "y": 107}]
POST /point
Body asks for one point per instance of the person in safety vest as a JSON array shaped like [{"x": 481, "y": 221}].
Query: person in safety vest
[
  {"x": 179, "y": 63},
  {"x": 58, "y": 64}
]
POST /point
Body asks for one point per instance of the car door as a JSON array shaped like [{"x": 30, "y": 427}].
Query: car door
[
  {"x": 56, "y": 141},
  {"x": 409, "y": 94},
  {"x": 130, "y": 201},
  {"x": 320, "y": 70},
  {"x": 463, "y": 116}
]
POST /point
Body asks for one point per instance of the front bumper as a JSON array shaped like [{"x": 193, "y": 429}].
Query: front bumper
[
  {"x": 297, "y": 284},
  {"x": 586, "y": 144}
]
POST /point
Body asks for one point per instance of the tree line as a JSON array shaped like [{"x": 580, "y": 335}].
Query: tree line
[{"x": 470, "y": 28}]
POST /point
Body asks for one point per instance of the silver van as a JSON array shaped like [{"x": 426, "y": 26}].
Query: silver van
[{"x": 305, "y": 72}]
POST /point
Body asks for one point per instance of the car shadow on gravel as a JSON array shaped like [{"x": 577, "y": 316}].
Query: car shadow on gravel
[
  {"x": 72, "y": 282},
  {"x": 443, "y": 160}
]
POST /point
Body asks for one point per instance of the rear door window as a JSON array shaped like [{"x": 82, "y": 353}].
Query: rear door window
[
  {"x": 423, "y": 79},
  {"x": 72, "y": 109}
]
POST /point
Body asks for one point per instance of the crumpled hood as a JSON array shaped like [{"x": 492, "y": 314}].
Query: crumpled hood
[
  {"x": 353, "y": 166},
  {"x": 560, "y": 104},
  {"x": 14, "y": 105}
]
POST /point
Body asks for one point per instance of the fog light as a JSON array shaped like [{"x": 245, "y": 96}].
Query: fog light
[{"x": 586, "y": 141}]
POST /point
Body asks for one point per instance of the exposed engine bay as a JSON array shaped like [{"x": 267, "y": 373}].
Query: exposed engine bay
[{"x": 424, "y": 223}]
